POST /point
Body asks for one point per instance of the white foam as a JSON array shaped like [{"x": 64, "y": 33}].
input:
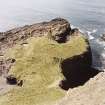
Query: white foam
[
  {"x": 81, "y": 31},
  {"x": 94, "y": 31},
  {"x": 102, "y": 43},
  {"x": 90, "y": 37},
  {"x": 72, "y": 26},
  {"x": 89, "y": 33},
  {"x": 103, "y": 55}
]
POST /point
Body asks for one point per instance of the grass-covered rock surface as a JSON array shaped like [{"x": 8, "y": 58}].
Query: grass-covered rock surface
[{"x": 37, "y": 63}]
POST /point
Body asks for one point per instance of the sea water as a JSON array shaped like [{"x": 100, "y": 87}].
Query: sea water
[{"x": 88, "y": 16}]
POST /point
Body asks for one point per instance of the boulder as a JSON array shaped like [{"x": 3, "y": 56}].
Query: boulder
[
  {"x": 11, "y": 80},
  {"x": 58, "y": 27}
]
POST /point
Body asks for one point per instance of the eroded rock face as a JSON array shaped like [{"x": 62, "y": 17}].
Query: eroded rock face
[
  {"x": 61, "y": 32},
  {"x": 5, "y": 65},
  {"x": 59, "y": 28}
]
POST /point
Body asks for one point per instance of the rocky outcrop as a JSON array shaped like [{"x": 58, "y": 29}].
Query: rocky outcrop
[
  {"x": 58, "y": 27},
  {"x": 41, "y": 78},
  {"x": 38, "y": 70},
  {"x": 42, "y": 65}
]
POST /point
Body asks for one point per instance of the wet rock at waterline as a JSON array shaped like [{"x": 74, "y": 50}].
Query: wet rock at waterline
[
  {"x": 98, "y": 53},
  {"x": 103, "y": 37}
]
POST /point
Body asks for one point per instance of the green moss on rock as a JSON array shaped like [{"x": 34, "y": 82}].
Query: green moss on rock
[{"x": 38, "y": 65}]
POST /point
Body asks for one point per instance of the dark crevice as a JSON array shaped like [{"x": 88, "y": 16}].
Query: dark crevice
[
  {"x": 12, "y": 80},
  {"x": 77, "y": 71},
  {"x": 63, "y": 37}
]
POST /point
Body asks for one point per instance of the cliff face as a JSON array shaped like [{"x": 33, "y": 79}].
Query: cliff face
[
  {"x": 58, "y": 27},
  {"x": 44, "y": 59}
]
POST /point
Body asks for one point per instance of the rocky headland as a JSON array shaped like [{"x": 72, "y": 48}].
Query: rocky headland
[{"x": 48, "y": 63}]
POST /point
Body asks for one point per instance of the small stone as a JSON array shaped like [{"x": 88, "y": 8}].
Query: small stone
[
  {"x": 11, "y": 60},
  {"x": 20, "y": 83},
  {"x": 11, "y": 80}
]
